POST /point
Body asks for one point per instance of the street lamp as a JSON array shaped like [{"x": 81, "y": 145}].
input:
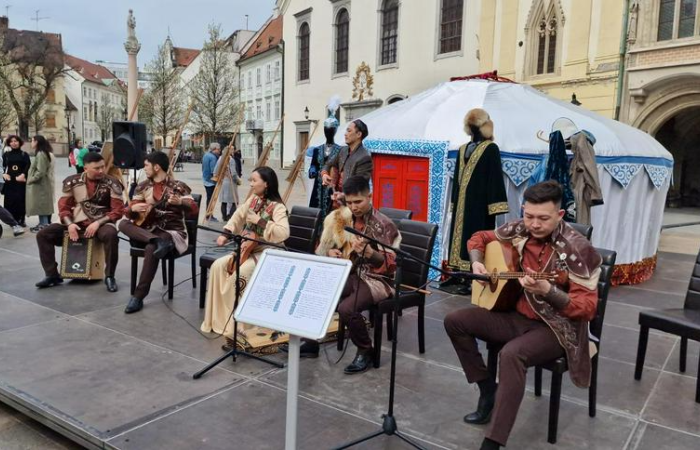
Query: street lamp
[
  {"x": 306, "y": 113},
  {"x": 574, "y": 101},
  {"x": 67, "y": 111}
]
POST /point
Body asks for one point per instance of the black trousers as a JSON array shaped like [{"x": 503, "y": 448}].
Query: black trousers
[{"x": 150, "y": 263}]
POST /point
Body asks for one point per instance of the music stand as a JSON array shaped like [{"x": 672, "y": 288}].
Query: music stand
[
  {"x": 389, "y": 426},
  {"x": 234, "y": 352},
  {"x": 296, "y": 294}
]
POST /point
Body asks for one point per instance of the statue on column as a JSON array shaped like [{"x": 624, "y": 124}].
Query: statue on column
[{"x": 321, "y": 195}]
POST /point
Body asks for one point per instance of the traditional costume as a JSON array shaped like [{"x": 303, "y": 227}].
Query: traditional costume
[
  {"x": 478, "y": 190},
  {"x": 584, "y": 176},
  {"x": 541, "y": 328},
  {"x": 220, "y": 289},
  {"x": 83, "y": 202},
  {"x": 321, "y": 195},
  {"x": 163, "y": 228}
]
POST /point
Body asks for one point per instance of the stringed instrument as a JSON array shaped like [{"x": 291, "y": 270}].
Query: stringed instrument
[
  {"x": 503, "y": 289},
  {"x": 146, "y": 218},
  {"x": 247, "y": 247}
]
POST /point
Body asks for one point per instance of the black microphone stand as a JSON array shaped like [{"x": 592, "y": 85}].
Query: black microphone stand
[
  {"x": 234, "y": 352},
  {"x": 389, "y": 427}
]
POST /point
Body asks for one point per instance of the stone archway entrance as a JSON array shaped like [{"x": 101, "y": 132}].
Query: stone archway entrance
[
  {"x": 671, "y": 114},
  {"x": 681, "y": 136}
]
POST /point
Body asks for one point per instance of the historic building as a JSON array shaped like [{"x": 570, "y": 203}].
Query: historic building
[
  {"x": 370, "y": 53},
  {"x": 561, "y": 47},
  {"x": 663, "y": 86},
  {"x": 260, "y": 89}
]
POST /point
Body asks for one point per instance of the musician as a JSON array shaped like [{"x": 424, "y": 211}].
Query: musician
[
  {"x": 373, "y": 268},
  {"x": 166, "y": 203},
  {"x": 549, "y": 320},
  {"x": 352, "y": 159},
  {"x": 90, "y": 204},
  {"x": 264, "y": 216}
]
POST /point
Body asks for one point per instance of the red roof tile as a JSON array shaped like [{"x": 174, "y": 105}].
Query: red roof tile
[
  {"x": 91, "y": 72},
  {"x": 268, "y": 38},
  {"x": 184, "y": 56}
]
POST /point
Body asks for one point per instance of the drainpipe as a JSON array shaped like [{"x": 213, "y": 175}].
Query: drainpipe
[
  {"x": 623, "y": 54},
  {"x": 282, "y": 110}
]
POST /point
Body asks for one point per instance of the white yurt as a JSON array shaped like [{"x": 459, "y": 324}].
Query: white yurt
[{"x": 633, "y": 168}]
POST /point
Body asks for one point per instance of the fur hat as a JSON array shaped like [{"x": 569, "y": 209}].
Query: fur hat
[{"x": 480, "y": 119}]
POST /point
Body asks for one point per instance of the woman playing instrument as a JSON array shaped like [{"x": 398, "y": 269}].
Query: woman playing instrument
[{"x": 262, "y": 216}]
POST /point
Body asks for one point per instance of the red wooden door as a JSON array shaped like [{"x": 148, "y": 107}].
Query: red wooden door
[{"x": 401, "y": 182}]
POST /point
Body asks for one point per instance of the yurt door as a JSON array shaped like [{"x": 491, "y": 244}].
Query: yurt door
[{"x": 401, "y": 182}]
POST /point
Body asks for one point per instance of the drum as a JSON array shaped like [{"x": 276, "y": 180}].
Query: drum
[{"x": 83, "y": 259}]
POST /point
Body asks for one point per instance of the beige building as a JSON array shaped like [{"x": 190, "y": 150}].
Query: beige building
[
  {"x": 663, "y": 86},
  {"x": 370, "y": 53},
  {"x": 561, "y": 47}
]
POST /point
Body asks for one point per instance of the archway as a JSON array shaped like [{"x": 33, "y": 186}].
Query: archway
[
  {"x": 671, "y": 114},
  {"x": 681, "y": 136}
]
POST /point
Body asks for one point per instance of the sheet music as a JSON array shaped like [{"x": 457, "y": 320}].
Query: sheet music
[{"x": 294, "y": 293}]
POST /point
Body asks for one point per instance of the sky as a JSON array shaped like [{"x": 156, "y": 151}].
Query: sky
[{"x": 96, "y": 29}]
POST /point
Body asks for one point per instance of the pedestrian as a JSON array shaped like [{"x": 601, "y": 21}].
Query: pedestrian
[
  {"x": 208, "y": 170},
  {"x": 80, "y": 152},
  {"x": 40, "y": 183},
  {"x": 229, "y": 188},
  {"x": 16, "y": 164}
]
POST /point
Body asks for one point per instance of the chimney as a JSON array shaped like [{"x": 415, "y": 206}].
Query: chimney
[{"x": 4, "y": 23}]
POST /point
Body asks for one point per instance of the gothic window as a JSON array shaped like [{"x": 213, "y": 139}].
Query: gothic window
[
  {"x": 545, "y": 31},
  {"x": 342, "y": 41},
  {"x": 389, "y": 31},
  {"x": 304, "y": 43},
  {"x": 451, "y": 26},
  {"x": 678, "y": 19}
]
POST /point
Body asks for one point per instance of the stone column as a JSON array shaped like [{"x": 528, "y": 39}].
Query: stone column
[{"x": 132, "y": 47}]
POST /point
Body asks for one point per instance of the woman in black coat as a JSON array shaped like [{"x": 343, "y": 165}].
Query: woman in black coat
[{"x": 15, "y": 164}]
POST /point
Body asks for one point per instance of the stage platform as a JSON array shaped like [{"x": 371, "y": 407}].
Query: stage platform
[{"x": 73, "y": 361}]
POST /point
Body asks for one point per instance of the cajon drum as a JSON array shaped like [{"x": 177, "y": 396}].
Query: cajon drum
[{"x": 83, "y": 259}]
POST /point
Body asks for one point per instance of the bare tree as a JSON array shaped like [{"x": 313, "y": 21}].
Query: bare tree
[
  {"x": 38, "y": 120},
  {"x": 161, "y": 107},
  {"x": 30, "y": 65},
  {"x": 7, "y": 112},
  {"x": 105, "y": 116},
  {"x": 214, "y": 90}
]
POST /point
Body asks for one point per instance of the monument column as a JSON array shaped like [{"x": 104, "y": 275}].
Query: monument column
[{"x": 132, "y": 47}]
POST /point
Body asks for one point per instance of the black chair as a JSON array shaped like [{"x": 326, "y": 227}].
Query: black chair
[
  {"x": 303, "y": 232},
  {"x": 418, "y": 239},
  {"x": 586, "y": 230},
  {"x": 683, "y": 322},
  {"x": 559, "y": 366},
  {"x": 396, "y": 214},
  {"x": 168, "y": 263}
]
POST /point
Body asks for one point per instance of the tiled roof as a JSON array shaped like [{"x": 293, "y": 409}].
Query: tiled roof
[
  {"x": 268, "y": 38},
  {"x": 184, "y": 56},
  {"x": 90, "y": 71}
]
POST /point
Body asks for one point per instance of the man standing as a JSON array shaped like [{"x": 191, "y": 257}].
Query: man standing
[
  {"x": 91, "y": 203},
  {"x": 549, "y": 320},
  {"x": 208, "y": 170},
  {"x": 373, "y": 269},
  {"x": 351, "y": 160},
  {"x": 166, "y": 203}
]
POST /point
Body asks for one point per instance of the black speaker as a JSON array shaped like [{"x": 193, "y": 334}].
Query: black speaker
[{"x": 129, "y": 144}]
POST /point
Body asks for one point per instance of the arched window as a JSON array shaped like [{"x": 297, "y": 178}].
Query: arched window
[
  {"x": 304, "y": 44},
  {"x": 389, "y": 31},
  {"x": 342, "y": 41},
  {"x": 545, "y": 38},
  {"x": 451, "y": 26}
]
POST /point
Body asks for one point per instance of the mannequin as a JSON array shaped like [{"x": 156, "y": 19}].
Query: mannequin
[{"x": 321, "y": 195}]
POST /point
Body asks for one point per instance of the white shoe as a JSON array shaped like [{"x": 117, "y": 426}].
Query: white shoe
[{"x": 17, "y": 230}]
